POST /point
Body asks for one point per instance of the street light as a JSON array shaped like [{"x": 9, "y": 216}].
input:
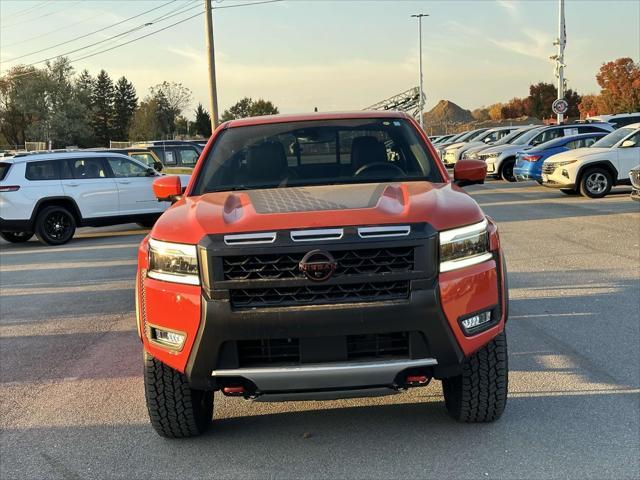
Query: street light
[{"x": 419, "y": 17}]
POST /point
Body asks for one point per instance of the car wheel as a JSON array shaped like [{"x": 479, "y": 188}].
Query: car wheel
[
  {"x": 479, "y": 394},
  {"x": 16, "y": 237},
  {"x": 507, "y": 170},
  {"x": 569, "y": 191},
  {"x": 55, "y": 225},
  {"x": 595, "y": 183},
  {"x": 175, "y": 409}
]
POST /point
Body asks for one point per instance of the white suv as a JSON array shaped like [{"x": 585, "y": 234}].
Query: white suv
[
  {"x": 594, "y": 170},
  {"x": 50, "y": 194}
]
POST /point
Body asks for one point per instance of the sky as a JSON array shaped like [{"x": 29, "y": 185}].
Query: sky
[{"x": 330, "y": 54}]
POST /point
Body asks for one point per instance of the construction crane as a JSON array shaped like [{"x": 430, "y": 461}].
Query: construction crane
[{"x": 408, "y": 102}]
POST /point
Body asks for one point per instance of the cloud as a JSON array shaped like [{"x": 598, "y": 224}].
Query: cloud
[
  {"x": 538, "y": 44},
  {"x": 510, "y": 6}
]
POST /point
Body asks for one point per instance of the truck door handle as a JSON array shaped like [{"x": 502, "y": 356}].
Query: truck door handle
[
  {"x": 126, "y": 182},
  {"x": 72, "y": 184}
]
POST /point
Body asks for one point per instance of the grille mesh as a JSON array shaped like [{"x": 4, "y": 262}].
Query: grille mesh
[
  {"x": 318, "y": 294},
  {"x": 350, "y": 262}
]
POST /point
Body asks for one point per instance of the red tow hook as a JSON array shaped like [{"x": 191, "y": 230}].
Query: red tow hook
[
  {"x": 417, "y": 379},
  {"x": 234, "y": 391}
]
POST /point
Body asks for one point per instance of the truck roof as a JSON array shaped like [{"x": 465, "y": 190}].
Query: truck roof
[{"x": 304, "y": 117}]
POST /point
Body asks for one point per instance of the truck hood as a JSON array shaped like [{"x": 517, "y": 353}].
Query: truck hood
[
  {"x": 581, "y": 153},
  {"x": 442, "y": 205}
]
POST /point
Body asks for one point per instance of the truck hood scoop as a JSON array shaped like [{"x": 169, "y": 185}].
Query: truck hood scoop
[{"x": 320, "y": 198}]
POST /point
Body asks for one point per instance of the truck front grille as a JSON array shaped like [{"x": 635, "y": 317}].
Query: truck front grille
[
  {"x": 350, "y": 262},
  {"x": 243, "y": 298},
  {"x": 548, "y": 168},
  {"x": 291, "y": 351}
]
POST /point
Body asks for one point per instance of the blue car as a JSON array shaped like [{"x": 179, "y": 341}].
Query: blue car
[{"x": 529, "y": 162}]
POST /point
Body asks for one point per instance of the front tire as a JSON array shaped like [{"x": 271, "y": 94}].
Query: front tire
[
  {"x": 175, "y": 409},
  {"x": 479, "y": 394},
  {"x": 55, "y": 225},
  {"x": 16, "y": 237},
  {"x": 507, "y": 170},
  {"x": 596, "y": 183}
]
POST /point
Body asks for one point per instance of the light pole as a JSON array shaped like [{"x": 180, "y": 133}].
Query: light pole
[
  {"x": 561, "y": 43},
  {"x": 419, "y": 17}
]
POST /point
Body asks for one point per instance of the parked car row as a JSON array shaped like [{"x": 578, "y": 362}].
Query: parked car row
[{"x": 608, "y": 143}]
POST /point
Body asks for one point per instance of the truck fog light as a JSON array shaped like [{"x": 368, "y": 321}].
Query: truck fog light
[
  {"x": 565, "y": 173},
  {"x": 166, "y": 338},
  {"x": 476, "y": 322}
]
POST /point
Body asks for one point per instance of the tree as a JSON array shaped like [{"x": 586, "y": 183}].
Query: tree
[
  {"x": 165, "y": 114},
  {"x": 67, "y": 124},
  {"x": 481, "y": 114},
  {"x": 495, "y": 111},
  {"x": 541, "y": 97},
  {"x": 145, "y": 124},
  {"x": 515, "y": 108},
  {"x": 620, "y": 83},
  {"x": 102, "y": 108},
  {"x": 247, "y": 107},
  {"x": 125, "y": 103},
  {"x": 589, "y": 105},
  {"x": 23, "y": 105},
  {"x": 173, "y": 98},
  {"x": 202, "y": 122},
  {"x": 573, "y": 99}
]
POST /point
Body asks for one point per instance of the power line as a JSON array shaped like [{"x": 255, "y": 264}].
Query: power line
[
  {"x": 42, "y": 16},
  {"x": 122, "y": 34},
  {"x": 20, "y": 13},
  {"x": 64, "y": 27},
  {"x": 146, "y": 35},
  {"x": 169, "y": 26},
  {"x": 91, "y": 33}
]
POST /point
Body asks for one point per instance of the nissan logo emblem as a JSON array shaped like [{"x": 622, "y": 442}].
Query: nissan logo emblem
[{"x": 318, "y": 265}]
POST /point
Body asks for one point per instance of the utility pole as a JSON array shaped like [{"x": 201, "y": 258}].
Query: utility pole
[
  {"x": 419, "y": 17},
  {"x": 213, "y": 92},
  {"x": 561, "y": 42}
]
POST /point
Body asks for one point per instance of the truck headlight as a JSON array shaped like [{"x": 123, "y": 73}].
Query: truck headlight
[
  {"x": 173, "y": 262},
  {"x": 562, "y": 164},
  {"x": 463, "y": 247}
]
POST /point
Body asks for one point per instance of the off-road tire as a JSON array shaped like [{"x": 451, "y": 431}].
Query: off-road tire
[
  {"x": 175, "y": 409},
  {"x": 479, "y": 394},
  {"x": 506, "y": 172},
  {"x": 16, "y": 237},
  {"x": 43, "y": 230},
  {"x": 596, "y": 175}
]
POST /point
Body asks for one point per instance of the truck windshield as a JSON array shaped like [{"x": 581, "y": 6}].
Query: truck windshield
[{"x": 319, "y": 152}]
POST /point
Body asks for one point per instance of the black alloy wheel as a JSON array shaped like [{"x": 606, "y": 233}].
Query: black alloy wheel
[{"x": 55, "y": 225}]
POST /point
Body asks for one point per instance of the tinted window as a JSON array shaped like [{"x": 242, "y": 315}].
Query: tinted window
[
  {"x": 546, "y": 136},
  {"x": 4, "y": 169},
  {"x": 622, "y": 121},
  {"x": 188, "y": 156},
  {"x": 590, "y": 129},
  {"x": 121, "y": 167},
  {"x": 85, "y": 168},
  {"x": 42, "y": 171},
  {"x": 316, "y": 153}
]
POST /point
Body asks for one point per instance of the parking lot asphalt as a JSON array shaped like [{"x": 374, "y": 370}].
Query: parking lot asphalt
[{"x": 72, "y": 402}]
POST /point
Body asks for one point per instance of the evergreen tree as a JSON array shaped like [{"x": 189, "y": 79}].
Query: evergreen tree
[
  {"x": 102, "y": 108},
  {"x": 164, "y": 113},
  {"x": 203, "y": 122},
  {"x": 125, "y": 103}
]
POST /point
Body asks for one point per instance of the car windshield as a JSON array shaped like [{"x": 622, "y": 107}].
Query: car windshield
[
  {"x": 471, "y": 135},
  {"x": 526, "y": 137},
  {"x": 319, "y": 152},
  {"x": 614, "y": 137},
  {"x": 512, "y": 136}
]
